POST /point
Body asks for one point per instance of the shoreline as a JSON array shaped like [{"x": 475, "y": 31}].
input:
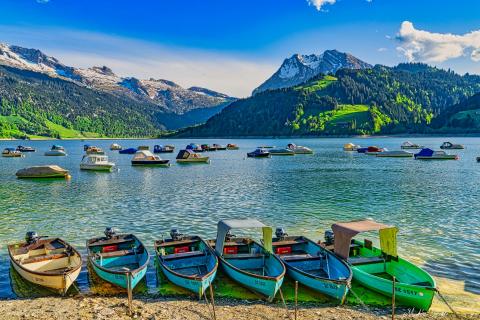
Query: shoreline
[{"x": 99, "y": 307}]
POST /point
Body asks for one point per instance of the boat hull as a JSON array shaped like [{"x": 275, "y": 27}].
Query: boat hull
[
  {"x": 437, "y": 158},
  {"x": 55, "y": 153},
  {"x": 195, "y": 285},
  {"x": 161, "y": 163},
  {"x": 195, "y": 160},
  {"x": 409, "y": 295},
  {"x": 119, "y": 279},
  {"x": 96, "y": 167}
]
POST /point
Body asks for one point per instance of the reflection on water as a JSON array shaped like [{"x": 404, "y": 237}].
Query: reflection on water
[{"x": 433, "y": 203}]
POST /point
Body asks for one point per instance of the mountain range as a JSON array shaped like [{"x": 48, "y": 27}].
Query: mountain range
[
  {"x": 408, "y": 98},
  {"x": 300, "y": 68},
  {"x": 174, "y": 101}
]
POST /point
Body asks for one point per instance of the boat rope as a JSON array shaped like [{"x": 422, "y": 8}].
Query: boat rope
[
  {"x": 208, "y": 305},
  {"x": 284, "y": 304},
  {"x": 357, "y": 297},
  {"x": 446, "y": 302}
]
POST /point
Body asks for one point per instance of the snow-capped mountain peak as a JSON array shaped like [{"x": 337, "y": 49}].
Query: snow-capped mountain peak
[{"x": 299, "y": 68}]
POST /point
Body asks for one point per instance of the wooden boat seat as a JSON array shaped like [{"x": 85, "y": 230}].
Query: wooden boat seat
[
  {"x": 365, "y": 260},
  {"x": 288, "y": 242},
  {"x": 118, "y": 253},
  {"x": 300, "y": 257},
  {"x": 103, "y": 242},
  {"x": 44, "y": 257},
  {"x": 243, "y": 256},
  {"x": 183, "y": 255},
  {"x": 179, "y": 242}
]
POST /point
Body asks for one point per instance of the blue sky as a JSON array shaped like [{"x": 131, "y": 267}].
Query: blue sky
[{"x": 233, "y": 46}]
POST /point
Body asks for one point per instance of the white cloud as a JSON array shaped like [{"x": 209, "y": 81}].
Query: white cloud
[
  {"x": 320, "y": 3},
  {"x": 226, "y": 72},
  {"x": 382, "y": 49},
  {"x": 420, "y": 45}
]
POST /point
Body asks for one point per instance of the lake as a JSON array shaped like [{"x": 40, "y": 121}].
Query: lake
[{"x": 434, "y": 203}]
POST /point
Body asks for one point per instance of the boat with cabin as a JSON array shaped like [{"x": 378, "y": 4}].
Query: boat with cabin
[
  {"x": 48, "y": 262},
  {"x": 351, "y": 147},
  {"x": 187, "y": 261},
  {"x": 115, "y": 147},
  {"x": 25, "y": 149},
  {"x": 56, "y": 150},
  {"x": 411, "y": 145},
  {"x": 94, "y": 150},
  {"x": 49, "y": 171},
  {"x": 128, "y": 151},
  {"x": 11, "y": 153},
  {"x": 163, "y": 149},
  {"x": 449, "y": 145},
  {"x": 188, "y": 156},
  {"x": 146, "y": 158},
  {"x": 120, "y": 259},
  {"x": 377, "y": 268},
  {"x": 232, "y": 146},
  {"x": 259, "y": 153},
  {"x": 312, "y": 265},
  {"x": 194, "y": 147},
  {"x": 373, "y": 150},
  {"x": 207, "y": 147},
  {"x": 394, "y": 154},
  {"x": 246, "y": 261},
  {"x": 299, "y": 149},
  {"x": 429, "y": 154},
  {"x": 282, "y": 152},
  {"x": 96, "y": 162}
]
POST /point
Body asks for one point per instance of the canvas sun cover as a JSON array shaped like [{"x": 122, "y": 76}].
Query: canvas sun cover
[
  {"x": 374, "y": 149},
  {"x": 426, "y": 152},
  {"x": 184, "y": 154},
  {"x": 345, "y": 231},
  {"x": 348, "y": 145},
  {"x": 407, "y": 144},
  {"x": 226, "y": 225}
]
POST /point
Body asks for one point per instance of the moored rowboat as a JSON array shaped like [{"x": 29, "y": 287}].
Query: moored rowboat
[
  {"x": 376, "y": 268},
  {"x": 51, "y": 262},
  {"x": 246, "y": 261},
  {"x": 119, "y": 259},
  {"x": 312, "y": 265},
  {"x": 187, "y": 261}
]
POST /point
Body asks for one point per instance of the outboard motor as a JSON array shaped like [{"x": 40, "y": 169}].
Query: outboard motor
[
  {"x": 109, "y": 232},
  {"x": 280, "y": 233},
  {"x": 229, "y": 236},
  {"x": 175, "y": 234},
  {"x": 31, "y": 237},
  {"x": 329, "y": 237}
]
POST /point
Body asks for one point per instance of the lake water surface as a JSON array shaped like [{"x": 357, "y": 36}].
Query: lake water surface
[{"x": 435, "y": 204}]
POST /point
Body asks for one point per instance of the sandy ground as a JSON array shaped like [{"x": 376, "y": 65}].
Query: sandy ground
[{"x": 84, "y": 307}]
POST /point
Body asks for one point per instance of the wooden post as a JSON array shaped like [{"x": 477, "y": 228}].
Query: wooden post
[
  {"x": 213, "y": 301},
  {"x": 296, "y": 299},
  {"x": 129, "y": 292},
  {"x": 393, "y": 298}
]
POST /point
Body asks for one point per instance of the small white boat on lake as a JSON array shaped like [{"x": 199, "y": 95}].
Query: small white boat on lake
[
  {"x": 146, "y": 158},
  {"x": 282, "y": 152},
  {"x": 299, "y": 149},
  {"x": 188, "y": 156},
  {"x": 11, "y": 153},
  {"x": 51, "y": 171},
  {"x": 449, "y": 145},
  {"x": 115, "y": 146},
  {"x": 56, "y": 150},
  {"x": 96, "y": 162},
  {"x": 411, "y": 145},
  {"x": 394, "y": 154}
]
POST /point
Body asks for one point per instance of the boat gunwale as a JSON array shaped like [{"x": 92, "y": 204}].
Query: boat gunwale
[
  {"x": 134, "y": 272},
  {"x": 212, "y": 252},
  {"x": 70, "y": 271},
  {"x": 347, "y": 281}
]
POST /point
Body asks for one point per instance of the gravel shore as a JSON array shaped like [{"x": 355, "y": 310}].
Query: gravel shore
[{"x": 85, "y": 307}]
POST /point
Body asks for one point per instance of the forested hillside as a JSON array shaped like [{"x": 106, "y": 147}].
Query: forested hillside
[{"x": 402, "y": 99}]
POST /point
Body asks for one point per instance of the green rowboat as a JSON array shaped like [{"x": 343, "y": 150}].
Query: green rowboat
[{"x": 376, "y": 268}]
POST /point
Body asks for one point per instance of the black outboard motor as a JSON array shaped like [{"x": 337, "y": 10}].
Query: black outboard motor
[
  {"x": 109, "y": 232},
  {"x": 329, "y": 237},
  {"x": 175, "y": 234},
  {"x": 280, "y": 233},
  {"x": 31, "y": 237}
]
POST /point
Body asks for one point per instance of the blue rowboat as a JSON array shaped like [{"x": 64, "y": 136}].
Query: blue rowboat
[
  {"x": 128, "y": 151},
  {"x": 119, "y": 259},
  {"x": 248, "y": 262},
  {"x": 187, "y": 261},
  {"x": 312, "y": 265}
]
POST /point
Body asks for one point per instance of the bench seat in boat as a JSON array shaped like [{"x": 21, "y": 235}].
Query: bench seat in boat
[
  {"x": 365, "y": 260},
  {"x": 243, "y": 256},
  {"x": 182, "y": 255}
]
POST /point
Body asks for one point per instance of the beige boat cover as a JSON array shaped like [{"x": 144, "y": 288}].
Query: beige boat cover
[
  {"x": 39, "y": 171},
  {"x": 345, "y": 231}
]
